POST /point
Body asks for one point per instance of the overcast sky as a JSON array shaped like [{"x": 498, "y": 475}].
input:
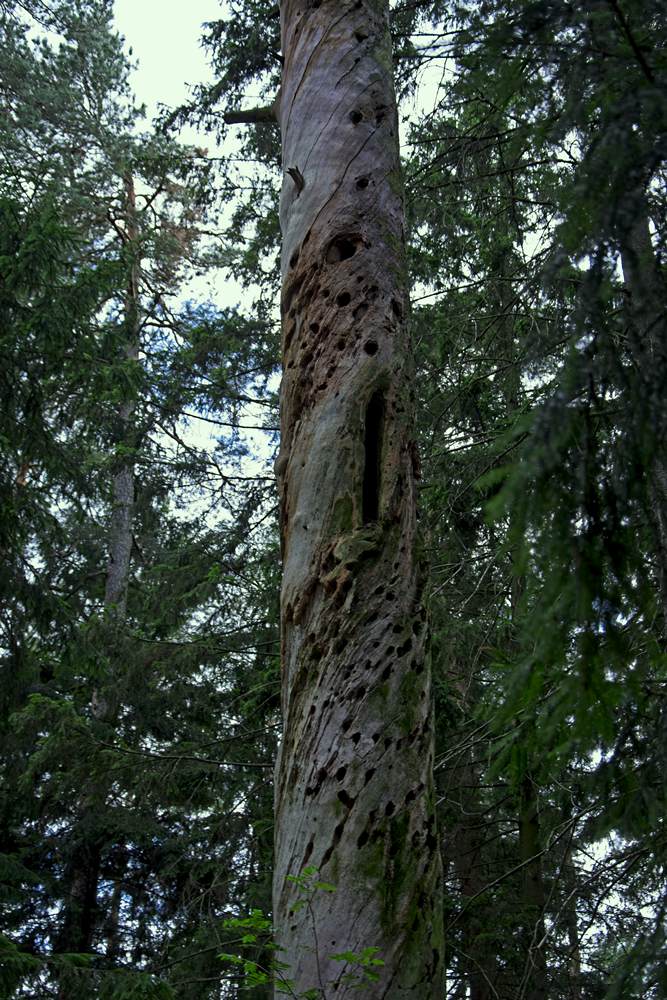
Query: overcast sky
[{"x": 164, "y": 37}]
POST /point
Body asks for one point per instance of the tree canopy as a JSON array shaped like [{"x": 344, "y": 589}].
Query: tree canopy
[{"x": 139, "y": 720}]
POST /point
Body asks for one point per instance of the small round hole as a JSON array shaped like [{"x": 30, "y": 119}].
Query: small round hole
[
  {"x": 371, "y": 347},
  {"x": 355, "y": 117},
  {"x": 343, "y": 299}
]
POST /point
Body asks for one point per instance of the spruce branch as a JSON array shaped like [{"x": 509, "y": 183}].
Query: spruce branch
[{"x": 254, "y": 116}]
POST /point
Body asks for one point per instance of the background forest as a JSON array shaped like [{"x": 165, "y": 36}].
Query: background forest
[{"x": 139, "y": 654}]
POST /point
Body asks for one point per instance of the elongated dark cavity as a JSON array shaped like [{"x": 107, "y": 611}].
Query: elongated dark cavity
[{"x": 373, "y": 429}]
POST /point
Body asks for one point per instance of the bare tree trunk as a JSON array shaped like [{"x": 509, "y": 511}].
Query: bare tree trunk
[
  {"x": 354, "y": 792},
  {"x": 120, "y": 543}
]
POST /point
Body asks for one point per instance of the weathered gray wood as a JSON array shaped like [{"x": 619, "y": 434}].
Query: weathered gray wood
[{"x": 354, "y": 793}]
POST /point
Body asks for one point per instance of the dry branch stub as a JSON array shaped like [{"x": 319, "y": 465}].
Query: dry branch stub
[{"x": 354, "y": 791}]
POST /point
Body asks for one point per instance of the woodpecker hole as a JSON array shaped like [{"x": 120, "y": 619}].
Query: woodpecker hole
[
  {"x": 345, "y": 798},
  {"x": 373, "y": 432},
  {"x": 342, "y": 248},
  {"x": 355, "y": 117}
]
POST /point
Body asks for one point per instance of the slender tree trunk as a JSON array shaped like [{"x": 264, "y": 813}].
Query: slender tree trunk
[
  {"x": 532, "y": 888},
  {"x": 120, "y": 542},
  {"x": 572, "y": 926},
  {"x": 354, "y": 792},
  {"x": 80, "y": 914},
  {"x": 465, "y": 855},
  {"x": 478, "y": 959},
  {"x": 532, "y": 892},
  {"x": 647, "y": 309}
]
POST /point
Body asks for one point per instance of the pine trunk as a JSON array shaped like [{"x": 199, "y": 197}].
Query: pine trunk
[
  {"x": 80, "y": 912},
  {"x": 354, "y": 792},
  {"x": 646, "y": 310},
  {"x": 533, "y": 895}
]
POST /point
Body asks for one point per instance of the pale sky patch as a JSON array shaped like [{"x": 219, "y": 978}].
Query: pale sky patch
[{"x": 165, "y": 38}]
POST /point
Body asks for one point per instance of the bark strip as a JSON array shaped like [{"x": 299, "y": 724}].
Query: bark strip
[{"x": 354, "y": 792}]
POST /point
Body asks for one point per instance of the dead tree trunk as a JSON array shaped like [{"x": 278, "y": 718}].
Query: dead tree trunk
[{"x": 354, "y": 792}]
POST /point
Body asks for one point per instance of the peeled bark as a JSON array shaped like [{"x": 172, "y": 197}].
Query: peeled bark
[{"x": 354, "y": 792}]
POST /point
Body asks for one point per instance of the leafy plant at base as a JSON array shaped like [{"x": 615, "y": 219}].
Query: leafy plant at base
[{"x": 258, "y": 932}]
